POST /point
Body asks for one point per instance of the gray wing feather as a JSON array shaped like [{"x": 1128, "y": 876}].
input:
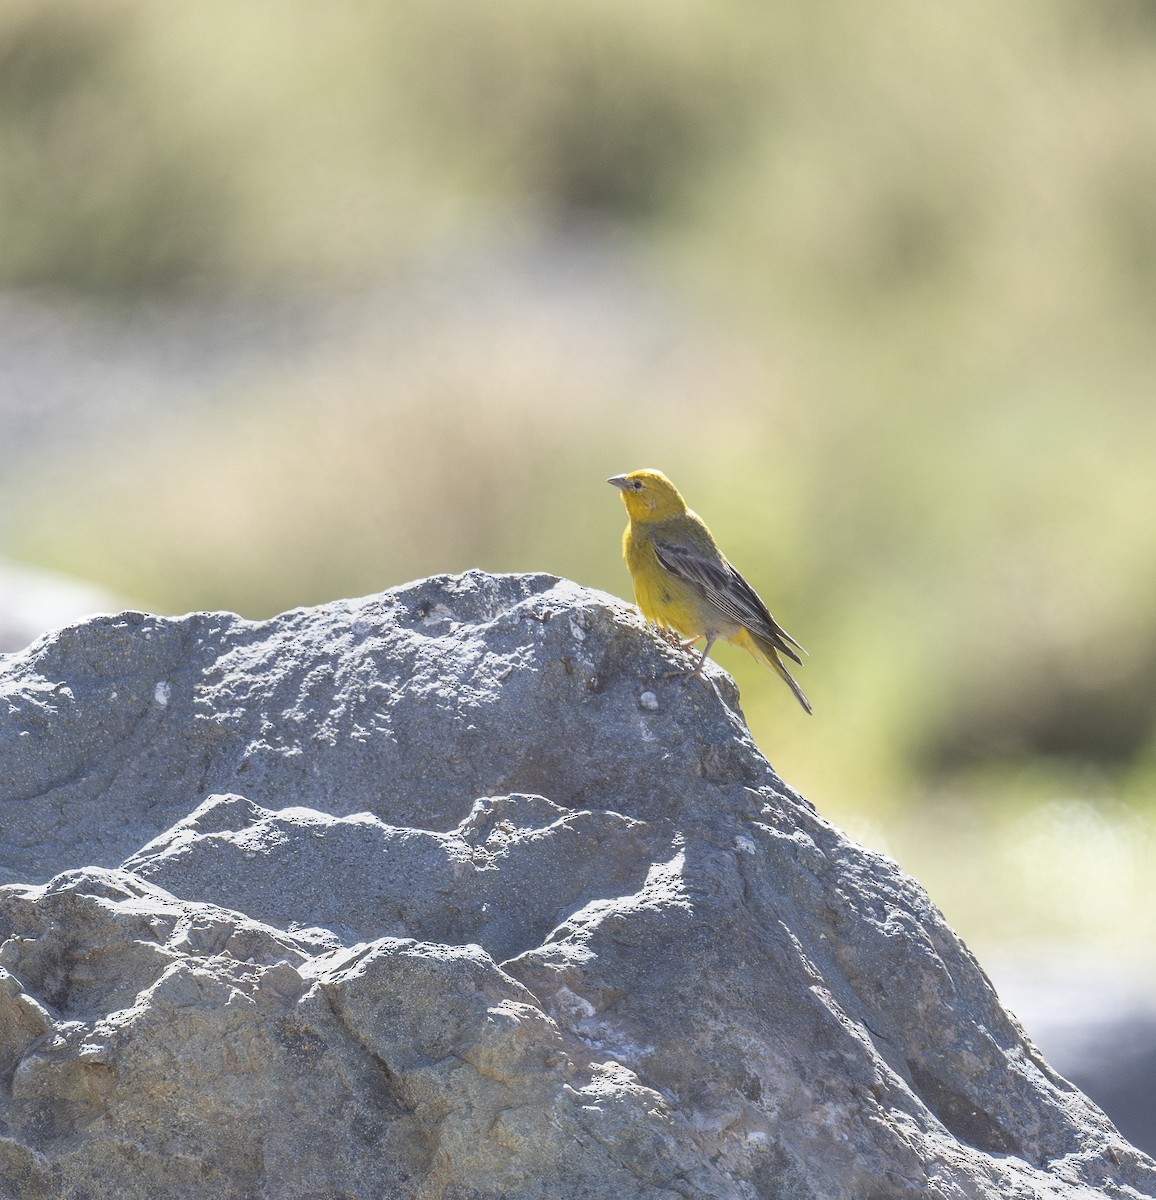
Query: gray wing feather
[{"x": 722, "y": 586}]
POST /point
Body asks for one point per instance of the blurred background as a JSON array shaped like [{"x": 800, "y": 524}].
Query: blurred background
[{"x": 300, "y": 302}]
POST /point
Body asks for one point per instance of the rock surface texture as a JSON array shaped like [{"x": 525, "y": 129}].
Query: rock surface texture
[{"x": 451, "y": 893}]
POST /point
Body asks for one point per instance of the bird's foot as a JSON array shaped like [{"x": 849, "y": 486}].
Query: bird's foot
[{"x": 695, "y": 672}]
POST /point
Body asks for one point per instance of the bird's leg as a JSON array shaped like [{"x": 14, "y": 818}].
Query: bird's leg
[{"x": 696, "y": 671}]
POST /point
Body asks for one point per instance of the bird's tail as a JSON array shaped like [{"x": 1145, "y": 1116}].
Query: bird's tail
[{"x": 764, "y": 650}]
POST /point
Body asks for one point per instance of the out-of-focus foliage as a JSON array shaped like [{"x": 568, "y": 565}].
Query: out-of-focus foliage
[
  {"x": 215, "y": 143},
  {"x": 905, "y": 262}
]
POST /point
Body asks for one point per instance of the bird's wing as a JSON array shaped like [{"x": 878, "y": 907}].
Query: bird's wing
[{"x": 722, "y": 586}]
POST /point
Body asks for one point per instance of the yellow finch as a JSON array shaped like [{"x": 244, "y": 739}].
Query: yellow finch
[{"x": 682, "y": 580}]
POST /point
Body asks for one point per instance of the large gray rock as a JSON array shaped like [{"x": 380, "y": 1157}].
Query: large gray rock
[{"x": 451, "y": 892}]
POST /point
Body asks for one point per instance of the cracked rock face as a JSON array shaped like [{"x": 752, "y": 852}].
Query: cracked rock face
[{"x": 451, "y": 893}]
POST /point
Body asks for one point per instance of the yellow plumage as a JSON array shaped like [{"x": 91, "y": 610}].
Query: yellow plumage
[{"x": 683, "y": 581}]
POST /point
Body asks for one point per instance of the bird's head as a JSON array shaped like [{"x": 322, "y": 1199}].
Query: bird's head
[{"x": 649, "y": 495}]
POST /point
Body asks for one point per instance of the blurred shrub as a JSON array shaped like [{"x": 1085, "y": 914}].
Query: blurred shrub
[
  {"x": 95, "y": 191},
  {"x": 585, "y": 108},
  {"x": 216, "y": 142},
  {"x": 967, "y": 173}
]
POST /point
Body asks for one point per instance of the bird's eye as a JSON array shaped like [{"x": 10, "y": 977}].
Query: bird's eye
[{"x": 637, "y": 485}]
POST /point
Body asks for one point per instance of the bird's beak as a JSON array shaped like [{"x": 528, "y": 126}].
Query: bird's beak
[{"x": 619, "y": 481}]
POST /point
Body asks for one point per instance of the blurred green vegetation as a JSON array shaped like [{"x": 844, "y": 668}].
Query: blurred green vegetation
[{"x": 906, "y": 261}]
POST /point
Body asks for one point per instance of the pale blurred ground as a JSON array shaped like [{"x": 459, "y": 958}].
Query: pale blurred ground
[
  {"x": 299, "y": 303},
  {"x": 34, "y": 601}
]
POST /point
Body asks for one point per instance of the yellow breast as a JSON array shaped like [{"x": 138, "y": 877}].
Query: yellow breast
[{"x": 662, "y": 598}]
